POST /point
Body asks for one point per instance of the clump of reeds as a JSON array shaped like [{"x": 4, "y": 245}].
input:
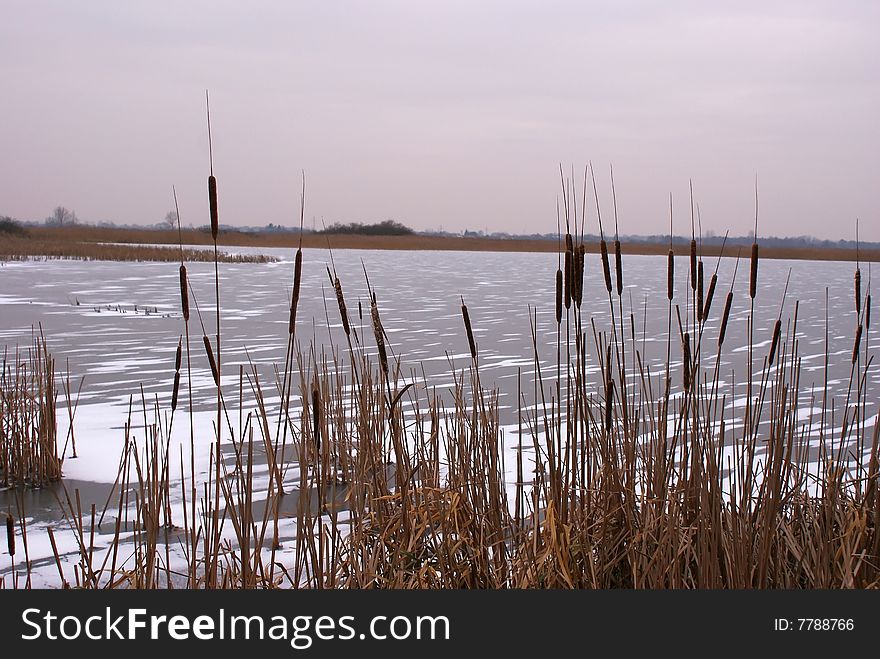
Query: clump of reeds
[{"x": 29, "y": 451}]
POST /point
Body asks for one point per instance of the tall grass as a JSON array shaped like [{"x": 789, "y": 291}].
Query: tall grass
[{"x": 29, "y": 451}]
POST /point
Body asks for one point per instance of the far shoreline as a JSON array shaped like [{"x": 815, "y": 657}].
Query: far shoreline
[{"x": 230, "y": 238}]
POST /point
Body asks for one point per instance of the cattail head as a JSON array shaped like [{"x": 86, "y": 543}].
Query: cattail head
[
  {"x": 857, "y": 344},
  {"x": 10, "y": 535},
  {"x": 609, "y": 389},
  {"x": 858, "y": 290},
  {"x": 569, "y": 243},
  {"x": 294, "y": 298},
  {"x": 868, "y": 311},
  {"x": 212, "y": 202},
  {"x": 316, "y": 418},
  {"x": 724, "y": 318},
  {"x": 379, "y": 334},
  {"x": 211, "y": 361},
  {"x": 606, "y": 268},
  {"x": 693, "y": 264},
  {"x": 175, "y": 392},
  {"x": 753, "y": 272},
  {"x": 670, "y": 274},
  {"x": 580, "y": 261},
  {"x": 179, "y": 354},
  {"x": 774, "y": 344},
  {"x": 686, "y": 361},
  {"x": 340, "y": 301},
  {"x": 618, "y": 267},
  {"x": 700, "y": 291},
  {"x": 569, "y": 276},
  {"x": 558, "y": 296},
  {"x": 470, "y": 332},
  {"x": 184, "y": 293},
  {"x": 710, "y": 294}
]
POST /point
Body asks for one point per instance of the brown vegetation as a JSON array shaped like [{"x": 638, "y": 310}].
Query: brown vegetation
[{"x": 86, "y": 234}]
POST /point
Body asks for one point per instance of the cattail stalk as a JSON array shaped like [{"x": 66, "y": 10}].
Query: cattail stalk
[
  {"x": 856, "y": 345},
  {"x": 176, "y": 389},
  {"x": 606, "y": 268},
  {"x": 725, "y": 317},
  {"x": 580, "y": 261},
  {"x": 213, "y": 363},
  {"x": 700, "y": 315},
  {"x": 212, "y": 201},
  {"x": 686, "y": 361},
  {"x": 340, "y": 301},
  {"x": 316, "y": 419},
  {"x": 470, "y": 332},
  {"x": 710, "y": 294},
  {"x": 774, "y": 344},
  {"x": 379, "y": 334},
  {"x": 858, "y": 290},
  {"x": 184, "y": 293},
  {"x": 618, "y": 266},
  {"x": 10, "y": 535},
  {"x": 294, "y": 299},
  {"x": 569, "y": 269},
  {"x": 753, "y": 273},
  {"x": 558, "y": 296}
]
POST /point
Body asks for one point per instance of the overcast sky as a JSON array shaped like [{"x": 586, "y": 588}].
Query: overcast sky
[{"x": 448, "y": 115}]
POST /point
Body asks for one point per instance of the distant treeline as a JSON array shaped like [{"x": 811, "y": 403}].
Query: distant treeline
[{"x": 386, "y": 228}]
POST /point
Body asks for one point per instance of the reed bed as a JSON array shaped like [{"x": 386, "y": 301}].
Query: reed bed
[
  {"x": 622, "y": 473},
  {"x": 28, "y": 249},
  {"x": 29, "y": 451}
]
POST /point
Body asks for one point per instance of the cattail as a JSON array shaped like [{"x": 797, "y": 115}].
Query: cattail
[
  {"x": 378, "y": 332},
  {"x": 184, "y": 293},
  {"x": 569, "y": 243},
  {"x": 294, "y": 298},
  {"x": 212, "y": 200},
  {"x": 618, "y": 266},
  {"x": 316, "y": 418},
  {"x": 858, "y": 287},
  {"x": 340, "y": 300},
  {"x": 176, "y": 391},
  {"x": 775, "y": 342},
  {"x": 725, "y": 318},
  {"x": 686, "y": 361},
  {"x": 360, "y": 311},
  {"x": 470, "y": 332},
  {"x": 580, "y": 259},
  {"x": 606, "y": 269},
  {"x": 700, "y": 315},
  {"x": 178, "y": 355},
  {"x": 10, "y": 535},
  {"x": 855, "y": 355},
  {"x": 211, "y": 360},
  {"x": 693, "y": 264},
  {"x": 670, "y": 273},
  {"x": 710, "y": 294},
  {"x": 868, "y": 311},
  {"x": 753, "y": 275},
  {"x": 609, "y": 389},
  {"x": 558, "y": 296},
  {"x": 569, "y": 274}
]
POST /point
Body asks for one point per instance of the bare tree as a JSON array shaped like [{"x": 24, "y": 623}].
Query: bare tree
[
  {"x": 170, "y": 221},
  {"x": 61, "y": 216}
]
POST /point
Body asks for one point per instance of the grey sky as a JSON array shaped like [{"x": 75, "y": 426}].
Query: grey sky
[{"x": 444, "y": 114}]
